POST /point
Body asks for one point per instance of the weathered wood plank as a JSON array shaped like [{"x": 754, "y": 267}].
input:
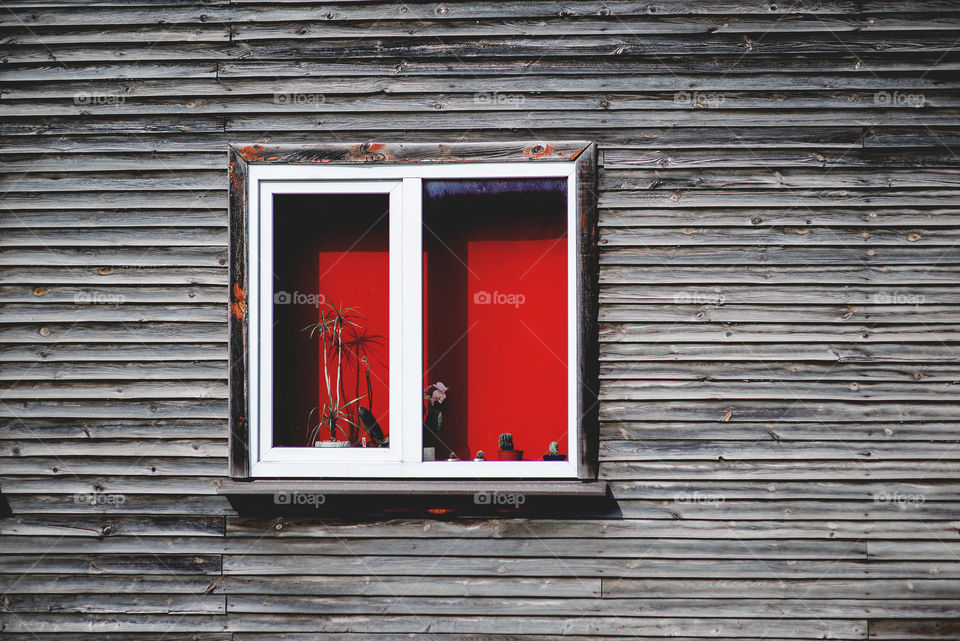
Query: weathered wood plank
[
  {"x": 55, "y": 334},
  {"x": 727, "y": 490},
  {"x": 773, "y": 332},
  {"x": 147, "y": 408},
  {"x": 889, "y": 550},
  {"x": 775, "y": 295},
  {"x": 779, "y": 178},
  {"x": 747, "y": 217},
  {"x": 119, "y": 295},
  {"x": 128, "y": 525},
  {"x": 166, "y": 564},
  {"x": 202, "y": 313},
  {"x": 764, "y": 198},
  {"x": 820, "y": 314},
  {"x": 765, "y": 589},
  {"x": 90, "y": 487},
  {"x": 714, "y": 507},
  {"x": 634, "y": 390},
  {"x": 786, "y": 352},
  {"x": 59, "y": 219},
  {"x": 451, "y": 548},
  {"x": 133, "y": 181},
  {"x": 285, "y": 527},
  {"x": 770, "y": 160},
  {"x": 61, "y": 353},
  {"x": 770, "y": 450},
  {"x": 94, "y": 370},
  {"x": 474, "y": 606},
  {"x": 130, "y": 466},
  {"x": 913, "y": 629},
  {"x": 777, "y": 470},
  {"x": 783, "y": 430},
  {"x": 125, "y": 390},
  {"x": 125, "y": 447},
  {"x": 119, "y": 504},
  {"x": 114, "y": 257},
  {"x": 787, "y": 410},
  {"x": 683, "y": 254},
  {"x": 740, "y": 628},
  {"x": 651, "y": 568},
  {"x": 178, "y": 604},
  {"x": 157, "y": 584},
  {"x": 574, "y": 77}
]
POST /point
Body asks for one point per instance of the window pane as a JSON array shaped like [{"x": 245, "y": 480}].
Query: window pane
[
  {"x": 331, "y": 320},
  {"x": 495, "y": 316}
]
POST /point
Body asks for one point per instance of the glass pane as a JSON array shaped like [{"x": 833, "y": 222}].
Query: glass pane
[
  {"x": 495, "y": 318},
  {"x": 331, "y": 320}
]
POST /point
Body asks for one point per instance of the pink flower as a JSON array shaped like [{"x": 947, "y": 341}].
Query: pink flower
[{"x": 439, "y": 393}]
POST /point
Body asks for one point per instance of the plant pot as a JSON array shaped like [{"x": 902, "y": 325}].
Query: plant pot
[
  {"x": 554, "y": 457},
  {"x": 510, "y": 455},
  {"x": 332, "y": 444},
  {"x": 429, "y": 454}
]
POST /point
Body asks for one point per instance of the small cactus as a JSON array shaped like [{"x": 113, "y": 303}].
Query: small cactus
[
  {"x": 554, "y": 448},
  {"x": 506, "y": 442}
]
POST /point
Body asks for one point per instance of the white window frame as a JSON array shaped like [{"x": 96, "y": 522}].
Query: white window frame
[{"x": 403, "y": 459}]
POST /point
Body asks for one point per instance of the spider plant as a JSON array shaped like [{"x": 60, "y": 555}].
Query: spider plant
[{"x": 342, "y": 342}]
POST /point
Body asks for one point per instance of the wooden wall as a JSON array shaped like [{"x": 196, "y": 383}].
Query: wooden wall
[{"x": 780, "y": 310}]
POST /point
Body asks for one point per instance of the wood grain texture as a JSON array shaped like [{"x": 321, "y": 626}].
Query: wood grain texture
[{"x": 774, "y": 326}]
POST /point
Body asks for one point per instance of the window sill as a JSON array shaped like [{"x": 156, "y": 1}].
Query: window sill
[
  {"x": 417, "y": 498},
  {"x": 414, "y": 487}
]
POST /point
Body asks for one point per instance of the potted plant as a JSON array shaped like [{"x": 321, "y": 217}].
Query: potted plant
[
  {"x": 343, "y": 341},
  {"x": 553, "y": 453},
  {"x": 506, "y": 451}
]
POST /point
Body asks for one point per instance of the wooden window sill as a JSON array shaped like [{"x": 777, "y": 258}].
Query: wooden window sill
[{"x": 415, "y": 487}]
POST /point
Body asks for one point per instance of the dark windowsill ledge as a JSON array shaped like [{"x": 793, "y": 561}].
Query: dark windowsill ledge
[{"x": 415, "y": 487}]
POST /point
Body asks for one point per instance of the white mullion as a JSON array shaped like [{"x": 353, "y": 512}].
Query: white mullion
[{"x": 410, "y": 306}]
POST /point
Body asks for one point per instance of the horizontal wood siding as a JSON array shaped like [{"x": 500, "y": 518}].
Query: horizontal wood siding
[{"x": 778, "y": 224}]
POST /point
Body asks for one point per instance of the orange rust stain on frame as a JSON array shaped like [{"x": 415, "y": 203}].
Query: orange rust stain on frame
[
  {"x": 239, "y": 305},
  {"x": 538, "y": 151},
  {"x": 251, "y": 152},
  {"x": 235, "y": 178}
]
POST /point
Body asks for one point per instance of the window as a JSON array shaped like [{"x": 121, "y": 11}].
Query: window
[{"x": 395, "y": 317}]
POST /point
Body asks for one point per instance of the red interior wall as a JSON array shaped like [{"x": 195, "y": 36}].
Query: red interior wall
[
  {"x": 505, "y": 364},
  {"x": 333, "y": 245},
  {"x": 360, "y": 279}
]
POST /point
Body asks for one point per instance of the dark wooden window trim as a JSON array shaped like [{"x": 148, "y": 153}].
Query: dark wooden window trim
[{"x": 581, "y": 152}]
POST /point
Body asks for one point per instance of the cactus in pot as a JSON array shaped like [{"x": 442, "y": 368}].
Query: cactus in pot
[{"x": 506, "y": 451}]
